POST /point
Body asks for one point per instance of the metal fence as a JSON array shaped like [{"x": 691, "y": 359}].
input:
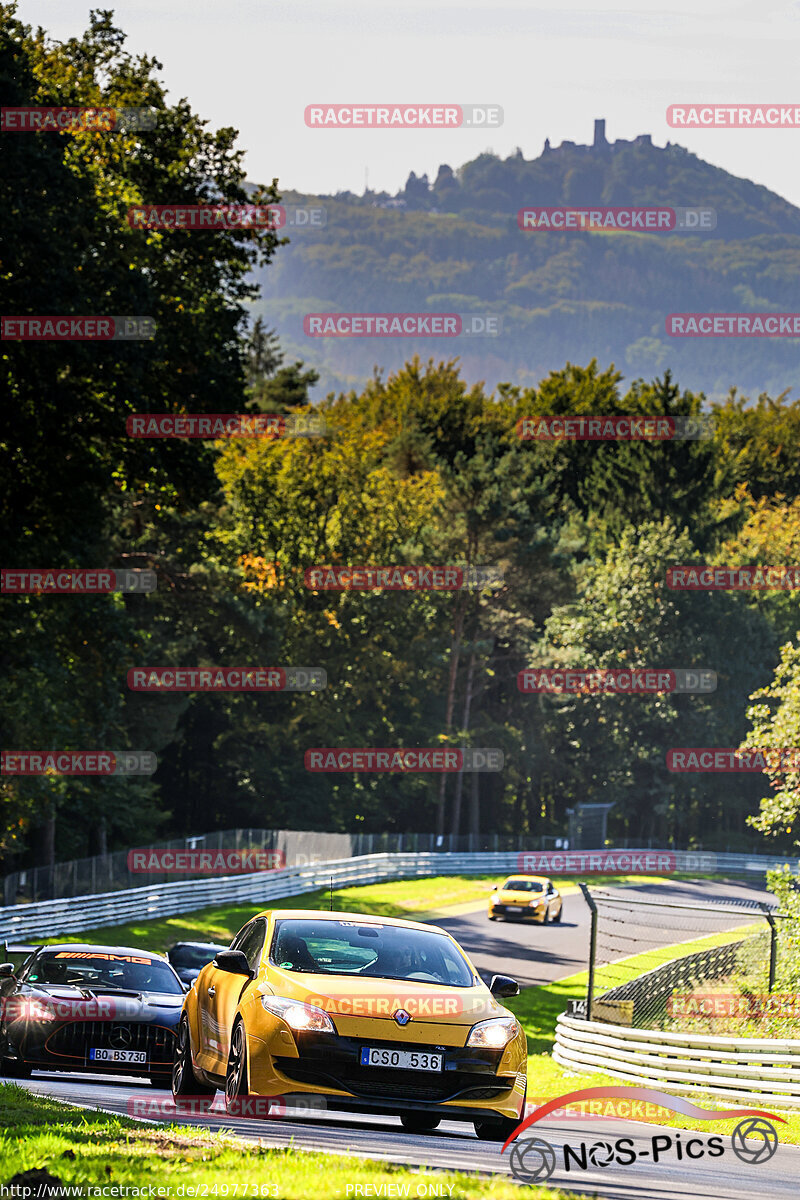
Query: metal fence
[
  {"x": 74, "y": 914},
  {"x": 109, "y": 872},
  {"x": 738, "y": 942}
]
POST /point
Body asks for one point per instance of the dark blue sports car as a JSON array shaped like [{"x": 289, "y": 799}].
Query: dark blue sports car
[{"x": 109, "y": 1009}]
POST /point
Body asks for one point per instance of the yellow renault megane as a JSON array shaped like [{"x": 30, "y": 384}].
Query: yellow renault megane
[
  {"x": 531, "y": 897},
  {"x": 373, "y": 1014}
]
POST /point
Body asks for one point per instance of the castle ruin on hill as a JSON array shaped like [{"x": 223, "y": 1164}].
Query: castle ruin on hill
[{"x": 601, "y": 142}]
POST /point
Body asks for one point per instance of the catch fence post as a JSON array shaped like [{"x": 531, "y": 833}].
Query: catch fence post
[
  {"x": 773, "y": 946},
  {"x": 587, "y": 895}
]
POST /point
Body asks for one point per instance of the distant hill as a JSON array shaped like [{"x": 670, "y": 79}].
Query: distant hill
[{"x": 454, "y": 246}]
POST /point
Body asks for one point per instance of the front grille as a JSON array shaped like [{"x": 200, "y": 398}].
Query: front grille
[
  {"x": 75, "y": 1039},
  {"x": 467, "y": 1074},
  {"x": 394, "y": 1085}
]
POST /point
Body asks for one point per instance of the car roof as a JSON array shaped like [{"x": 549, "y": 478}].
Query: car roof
[
  {"x": 316, "y": 914},
  {"x": 105, "y": 949}
]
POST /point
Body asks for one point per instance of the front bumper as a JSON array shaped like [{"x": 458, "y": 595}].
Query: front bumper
[
  {"x": 523, "y": 912},
  {"x": 473, "y": 1082},
  {"x": 65, "y": 1046}
]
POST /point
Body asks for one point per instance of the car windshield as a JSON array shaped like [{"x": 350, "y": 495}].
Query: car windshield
[
  {"x": 368, "y": 950},
  {"x": 103, "y": 970},
  {"x": 523, "y": 885},
  {"x": 193, "y": 956}
]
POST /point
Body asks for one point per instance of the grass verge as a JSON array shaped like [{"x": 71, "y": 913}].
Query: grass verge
[{"x": 84, "y": 1149}]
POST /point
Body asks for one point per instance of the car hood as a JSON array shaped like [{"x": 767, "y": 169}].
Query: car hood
[
  {"x": 520, "y": 897},
  {"x": 74, "y": 1003},
  {"x": 381, "y": 998}
]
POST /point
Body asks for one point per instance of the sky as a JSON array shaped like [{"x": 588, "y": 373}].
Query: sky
[{"x": 256, "y": 64}]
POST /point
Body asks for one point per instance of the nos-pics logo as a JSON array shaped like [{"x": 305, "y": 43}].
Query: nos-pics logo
[{"x": 533, "y": 1160}]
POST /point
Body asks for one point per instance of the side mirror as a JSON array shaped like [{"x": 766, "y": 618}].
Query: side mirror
[
  {"x": 494, "y": 889},
  {"x": 503, "y": 986},
  {"x": 6, "y": 970},
  {"x": 233, "y": 961}
]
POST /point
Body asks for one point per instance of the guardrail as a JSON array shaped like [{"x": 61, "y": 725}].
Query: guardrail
[
  {"x": 762, "y": 1070},
  {"x": 23, "y": 922}
]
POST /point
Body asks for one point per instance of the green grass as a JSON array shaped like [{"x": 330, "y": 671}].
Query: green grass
[{"x": 80, "y": 1148}]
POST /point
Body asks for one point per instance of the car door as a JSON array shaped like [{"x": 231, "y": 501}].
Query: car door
[{"x": 218, "y": 996}]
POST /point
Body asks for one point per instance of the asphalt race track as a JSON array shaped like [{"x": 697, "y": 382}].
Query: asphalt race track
[
  {"x": 543, "y": 953},
  {"x": 533, "y": 954}
]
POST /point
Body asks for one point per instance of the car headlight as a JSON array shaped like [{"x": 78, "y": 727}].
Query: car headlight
[
  {"x": 20, "y": 1009},
  {"x": 535, "y": 903},
  {"x": 494, "y": 1034},
  {"x": 298, "y": 1016}
]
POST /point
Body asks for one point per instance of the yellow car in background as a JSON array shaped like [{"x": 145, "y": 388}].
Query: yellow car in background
[
  {"x": 364, "y": 1013},
  {"x": 526, "y": 897}
]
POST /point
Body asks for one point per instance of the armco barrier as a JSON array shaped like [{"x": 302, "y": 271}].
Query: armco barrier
[
  {"x": 23, "y": 922},
  {"x": 752, "y": 1070}
]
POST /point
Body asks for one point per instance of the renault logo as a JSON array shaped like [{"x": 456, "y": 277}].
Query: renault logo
[
  {"x": 402, "y": 1017},
  {"x": 120, "y": 1036}
]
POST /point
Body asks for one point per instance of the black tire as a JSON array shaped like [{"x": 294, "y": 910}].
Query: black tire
[
  {"x": 558, "y": 918},
  {"x": 546, "y": 917},
  {"x": 496, "y": 1131},
  {"x": 492, "y": 917},
  {"x": 419, "y": 1122},
  {"x": 185, "y": 1084},
  {"x": 236, "y": 1085},
  {"x": 13, "y": 1069}
]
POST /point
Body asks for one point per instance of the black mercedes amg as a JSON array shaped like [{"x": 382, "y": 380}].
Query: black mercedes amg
[{"x": 109, "y": 1009}]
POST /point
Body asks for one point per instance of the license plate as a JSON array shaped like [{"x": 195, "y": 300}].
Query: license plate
[
  {"x": 406, "y": 1060},
  {"x": 118, "y": 1056}
]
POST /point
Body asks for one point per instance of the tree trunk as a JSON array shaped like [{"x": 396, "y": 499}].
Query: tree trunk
[
  {"x": 46, "y": 850},
  {"x": 455, "y": 654},
  {"x": 475, "y": 807},
  {"x": 465, "y": 728}
]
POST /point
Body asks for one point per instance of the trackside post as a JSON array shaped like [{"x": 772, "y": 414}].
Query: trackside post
[{"x": 587, "y": 895}]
